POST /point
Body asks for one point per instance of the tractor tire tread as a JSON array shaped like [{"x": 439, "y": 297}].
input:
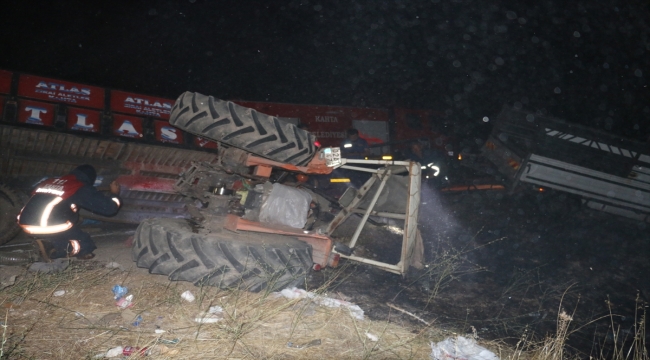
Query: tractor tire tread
[
  {"x": 242, "y": 127},
  {"x": 227, "y": 260}
]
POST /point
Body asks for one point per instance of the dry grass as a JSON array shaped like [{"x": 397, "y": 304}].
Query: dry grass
[
  {"x": 85, "y": 322},
  {"x": 449, "y": 262},
  {"x": 553, "y": 346}
]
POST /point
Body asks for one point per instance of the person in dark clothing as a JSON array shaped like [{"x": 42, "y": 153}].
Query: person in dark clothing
[
  {"x": 354, "y": 147},
  {"x": 432, "y": 162},
  {"x": 416, "y": 152},
  {"x": 52, "y": 213}
]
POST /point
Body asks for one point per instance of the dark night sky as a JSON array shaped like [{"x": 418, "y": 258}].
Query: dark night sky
[{"x": 584, "y": 61}]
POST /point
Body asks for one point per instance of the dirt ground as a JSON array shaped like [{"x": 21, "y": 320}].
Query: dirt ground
[
  {"x": 72, "y": 314},
  {"x": 85, "y": 322},
  {"x": 507, "y": 264},
  {"x": 498, "y": 265}
]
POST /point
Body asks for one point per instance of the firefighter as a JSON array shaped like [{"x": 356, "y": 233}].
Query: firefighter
[
  {"x": 354, "y": 147},
  {"x": 432, "y": 162},
  {"x": 51, "y": 214}
]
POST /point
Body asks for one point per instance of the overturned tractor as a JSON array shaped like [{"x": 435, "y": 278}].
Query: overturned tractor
[{"x": 246, "y": 229}]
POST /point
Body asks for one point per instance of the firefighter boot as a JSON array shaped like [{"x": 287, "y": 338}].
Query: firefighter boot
[{"x": 75, "y": 250}]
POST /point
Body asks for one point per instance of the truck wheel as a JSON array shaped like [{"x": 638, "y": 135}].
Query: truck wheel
[
  {"x": 242, "y": 127},
  {"x": 252, "y": 262},
  {"x": 10, "y": 206}
]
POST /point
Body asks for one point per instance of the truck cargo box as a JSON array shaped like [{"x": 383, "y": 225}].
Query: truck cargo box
[{"x": 609, "y": 172}]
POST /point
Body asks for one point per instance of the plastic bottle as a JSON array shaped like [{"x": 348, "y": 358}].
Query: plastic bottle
[{"x": 114, "y": 352}]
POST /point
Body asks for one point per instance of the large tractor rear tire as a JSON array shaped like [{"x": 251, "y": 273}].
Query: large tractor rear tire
[
  {"x": 252, "y": 262},
  {"x": 242, "y": 127},
  {"x": 10, "y": 206}
]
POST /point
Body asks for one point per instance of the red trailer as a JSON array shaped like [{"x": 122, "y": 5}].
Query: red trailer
[{"x": 49, "y": 126}]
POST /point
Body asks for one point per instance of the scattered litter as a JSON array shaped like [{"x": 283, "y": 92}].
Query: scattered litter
[
  {"x": 138, "y": 352},
  {"x": 59, "y": 293},
  {"x": 125, "y": 302},
  {"x": 114, "y": 352},
  {"x": 204, "y": 318},
  {"x": 138, "y": 321},
  {"x": 295, "y": 293},
  {"x": 169, "y": 342},
  {"x": 119, "y": 291},
  {"x": 133, "y": 350},
  {"x": 304, "y": 345},
  {"x": 78, "y": 314},
  {"x": 372, "y": 337},
  {"x": 120, "y": 351},
  {"x": 213, "y": 315},
  {"x": 188, "y": 296},
  {"x": 114, "y": 265},
  {"x": 460, "y": 348},
  {"x": 159, "y": 331}
]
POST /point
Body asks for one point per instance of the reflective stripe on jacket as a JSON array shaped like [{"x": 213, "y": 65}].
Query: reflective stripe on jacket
[{"x": 46, "y": 212}]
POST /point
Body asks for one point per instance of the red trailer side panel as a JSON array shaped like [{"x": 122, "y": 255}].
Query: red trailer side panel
[
  {"x": 128, "y": 126},
  {"x": 83, "y": 120},
  {"x": 142, "y": 105},
  {"x": 328, "y": 123},
  {"x": 36, "y": 87},
  {"x": 414, "y": 124},
  {"x": 35, "y": 112},
  {"x": 166, "y": 133},
  {"x": 5, "y": 82}
]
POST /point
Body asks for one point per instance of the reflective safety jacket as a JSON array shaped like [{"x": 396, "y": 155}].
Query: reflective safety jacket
[
  {"x": 354, "y": 149},
  {"x": 55, "y": 203}
]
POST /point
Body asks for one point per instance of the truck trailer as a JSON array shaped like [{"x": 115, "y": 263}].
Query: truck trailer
[{"x": 608, "y": 172}]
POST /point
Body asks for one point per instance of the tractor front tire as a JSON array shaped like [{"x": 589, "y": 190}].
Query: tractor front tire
[
  {"x": 249, "y": 261},
  {"x": 242, "y": 127}
]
